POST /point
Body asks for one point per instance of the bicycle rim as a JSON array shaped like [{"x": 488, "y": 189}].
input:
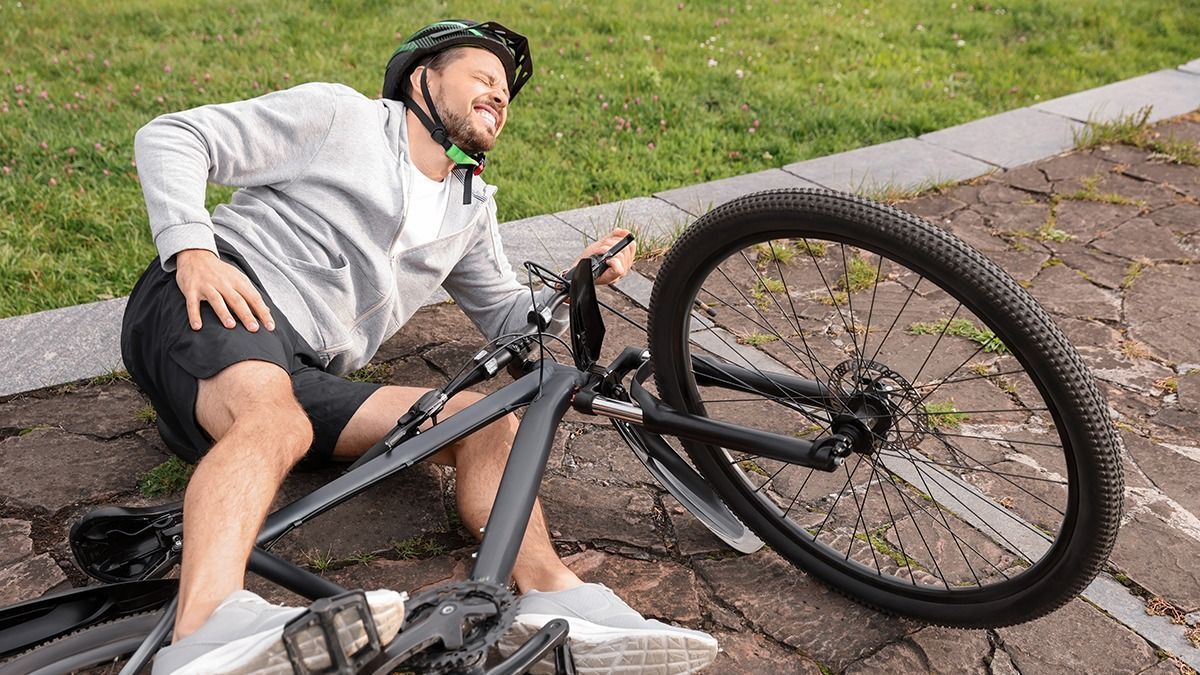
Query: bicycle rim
[{"x": 982, "y": 486}]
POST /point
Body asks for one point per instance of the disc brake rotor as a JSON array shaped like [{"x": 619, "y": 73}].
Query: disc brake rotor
[{"x": 857, "y": 380}]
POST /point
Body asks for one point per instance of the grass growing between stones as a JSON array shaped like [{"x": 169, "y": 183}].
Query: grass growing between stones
[
  {"x": 1134, "y": 129},
  {"x": 377, "y": 373},
  {"x": 963, "y": 328},
  {"x": 1132, "y": 272},
  {"x": 1090, "y": 193},
  {"x": 629, "y": 98},
  {"x": 943, "y": 415},
  {"x": 876, "y": 540},
  {"x": 168, "y": 478},
  {"x": 756, "y": 339},
  {"x": 418, "y": 546}
]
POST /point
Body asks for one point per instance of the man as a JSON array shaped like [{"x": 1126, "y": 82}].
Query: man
[{"x": 351, "y": 212}]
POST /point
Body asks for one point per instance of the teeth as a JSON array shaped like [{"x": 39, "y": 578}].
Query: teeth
[{"x": 487, "y": 115}]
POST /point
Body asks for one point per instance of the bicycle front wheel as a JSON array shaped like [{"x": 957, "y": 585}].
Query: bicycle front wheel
[{"x": 990, "y": 491}]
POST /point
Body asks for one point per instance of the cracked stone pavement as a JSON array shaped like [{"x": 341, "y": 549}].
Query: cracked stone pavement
[{"x": 1121, "y": 281}]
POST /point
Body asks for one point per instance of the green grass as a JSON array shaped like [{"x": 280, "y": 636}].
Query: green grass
[
  {"x": 418, "y": 547},
  {"x": 1090, "y": 192},
  {"x": 943, "y": 415},
  {"x": 1134, "y": 129},
  {"x": 859, "y": 275},
  {"x": 168, "y": 478},
  {"x": 960, "y": 328},
  {"x": 628, "y": 97}
]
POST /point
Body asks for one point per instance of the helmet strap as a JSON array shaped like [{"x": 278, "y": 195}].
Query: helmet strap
[{"x": 437, "y": 130}]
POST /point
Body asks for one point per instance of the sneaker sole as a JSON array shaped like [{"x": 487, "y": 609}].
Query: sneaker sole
[
  {"x": 265, "y": 653},
  {"x": 622, "y": 651}
]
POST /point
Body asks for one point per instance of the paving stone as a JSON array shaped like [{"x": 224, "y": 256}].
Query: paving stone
[
  {"x": 413, "y": 576},
  {"x": 1097, "y": 267},
  {"x": 1066, "y": 293},
  {"x": 657, "y": 589},
  {"x": 1192, "y": 66},
  {"x": 601, "y": 456},
  {"x": 1189, "y": 390},
  {"x": 1185, "y": 128},
  {"x": 576, "y": 511},
  {"x": 1170, "y": 92},
  {"x": 429, "y": 327},
  {"x": 60, "y": 345},
  {"x": 105, "y": 411},
  {"x": 1162, "y": 308},
  {"x": 1030, "y": 178},
  {"x": 1140, "y": 238},
  {"x": 1168, "y": 667},
  {"x": 703, "y": 197},
  {"x": 1074, "y": 165},
  {"x": 931, "y": 650},
  {"x": 794, "y": 609},
  {"x": 752, "y": 654},
  {"x": 1021, "y": 265},
  {"x": 1181, "y": 218},
  {"x": 1014, "y": 218},
  {"x": 646, "y": 216},
  {"x": 1181, "y": 177},
  {"x": 1077, "y": 638},
  {"x": 691, "y": 536},
  {"x": 1160, "y": 558},
  {"x": 407, "y": 505},
  {"x": 1173, "y": 471},
  {"x": 969, "y": 225},
  {"x": 1086, "y": 220},
  {"x": 15, "y": 542},
  {"x": 30, "y": 578},
  {"x": 48, "y": 469},
  {"x": 932, "y": 206},
  {"x": 1145, "y": 194},
  {"x": 1009, "y": 139},
  {"x": 543, "y": 239},
  {"x": 901, "y": 164}
]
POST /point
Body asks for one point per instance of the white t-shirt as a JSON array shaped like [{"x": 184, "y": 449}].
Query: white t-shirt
[{"x": 426, "y": 208}]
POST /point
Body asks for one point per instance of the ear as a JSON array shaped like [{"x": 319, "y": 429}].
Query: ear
[{"x": 414, "y": 79}]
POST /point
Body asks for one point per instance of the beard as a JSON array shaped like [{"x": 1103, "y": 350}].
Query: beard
[{"x": 461, "y": 131}]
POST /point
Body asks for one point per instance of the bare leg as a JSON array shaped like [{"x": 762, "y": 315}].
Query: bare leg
[
  {"x": 479, "y": 463},
  {"x": 261, "y": 431}
]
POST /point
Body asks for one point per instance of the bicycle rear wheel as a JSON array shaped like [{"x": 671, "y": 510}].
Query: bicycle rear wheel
[
  {"x": 96, "y": 649},
  {"x": 990, "y": 492}
]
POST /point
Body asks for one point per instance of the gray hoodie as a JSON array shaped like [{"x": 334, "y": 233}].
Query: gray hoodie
[{"x": 322, "y": 202}]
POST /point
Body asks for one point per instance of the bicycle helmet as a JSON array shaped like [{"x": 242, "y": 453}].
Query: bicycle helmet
[{"x": 511, "y": 48}]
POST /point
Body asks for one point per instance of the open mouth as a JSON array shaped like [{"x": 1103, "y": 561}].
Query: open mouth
[{"x": 488, "y": 116}]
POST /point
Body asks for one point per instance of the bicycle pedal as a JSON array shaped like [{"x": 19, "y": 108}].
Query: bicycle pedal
[{"x": 336, "y": 636}]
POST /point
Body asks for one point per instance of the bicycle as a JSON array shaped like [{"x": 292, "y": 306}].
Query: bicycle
[{"x": 844, "y": 382}]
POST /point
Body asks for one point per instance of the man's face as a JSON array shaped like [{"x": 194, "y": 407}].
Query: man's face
[{"x": 471, "y": 95}]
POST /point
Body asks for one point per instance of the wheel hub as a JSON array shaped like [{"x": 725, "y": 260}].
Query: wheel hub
[{"x": 870, "y": 394}]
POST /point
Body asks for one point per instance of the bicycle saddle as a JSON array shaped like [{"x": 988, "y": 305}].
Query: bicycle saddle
[{"x": 116, "y": 543}]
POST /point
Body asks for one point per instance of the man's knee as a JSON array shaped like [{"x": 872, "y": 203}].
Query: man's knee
[{"x": 255, "y": 397}]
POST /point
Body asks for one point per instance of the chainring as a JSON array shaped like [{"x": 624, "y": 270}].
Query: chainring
[{"x": 478, "y": 637}]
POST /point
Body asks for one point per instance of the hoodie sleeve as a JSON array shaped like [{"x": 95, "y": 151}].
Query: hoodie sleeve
[
  {"x": 485, "y": 286},
  {"x": 264, "y": 141}
]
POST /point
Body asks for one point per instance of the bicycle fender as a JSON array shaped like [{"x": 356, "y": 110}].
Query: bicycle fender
[
  {"x": 30, "y": 623},
  {"x": 687, "y": 486}
]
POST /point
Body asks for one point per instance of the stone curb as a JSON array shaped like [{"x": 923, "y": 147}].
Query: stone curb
[{"x": 63, "y": 345}]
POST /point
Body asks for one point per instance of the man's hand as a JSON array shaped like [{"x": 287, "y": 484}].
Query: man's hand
[
  {"x": 618, "y": 265},
  {"x": 202, "y": 276}
]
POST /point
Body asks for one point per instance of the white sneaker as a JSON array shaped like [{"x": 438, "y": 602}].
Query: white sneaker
[
  {"x": 244, "y": 636},
  {"x": 608, "y": 636}
]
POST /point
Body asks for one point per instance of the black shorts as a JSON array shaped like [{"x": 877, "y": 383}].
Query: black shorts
[{"x": 167, "y": 359}]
